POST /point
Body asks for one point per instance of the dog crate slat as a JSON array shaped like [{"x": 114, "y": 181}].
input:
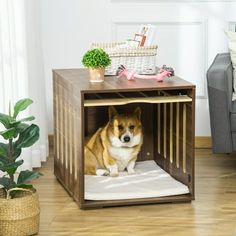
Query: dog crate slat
[
  {"x": 177, "y": 135},
  {"x": 158, "y": 128},
  {"x": 75, "y": 146},
  {"x": 123, "y": 101},
  {"x": 184, "y": 138},
  {"x": 171, "y": 132},
  {"x": 143, "y": 94},
  {"x": 164, "y": 135}
]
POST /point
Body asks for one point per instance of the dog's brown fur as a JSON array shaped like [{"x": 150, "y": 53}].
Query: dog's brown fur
[{"x": 98, "y": 147}]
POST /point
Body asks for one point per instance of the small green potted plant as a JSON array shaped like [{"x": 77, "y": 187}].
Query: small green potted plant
[
  {"x": 96, "y": 60},
  {"x": 19, "y": 205}
]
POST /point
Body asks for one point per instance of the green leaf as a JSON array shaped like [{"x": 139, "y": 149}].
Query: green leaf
[
  {"x": 21, "y": 105},
  {"x": 30, "y": 118},
  {"x": 8, "y": 134},
  {"x": 5, "y": 120},
  {"x": 3, "y": 150},
  {"x": 28, "y": 137},
  {"x": 3, "y": 162},
  {"x": 27, "y": 175},
  {"x": 16, "y": 151},
  {"x": 11, "y": 168},
  {"x": 6, "y": 182},
  {"x": 23, "y": 186},
  {"x": 21, "y": 126}
]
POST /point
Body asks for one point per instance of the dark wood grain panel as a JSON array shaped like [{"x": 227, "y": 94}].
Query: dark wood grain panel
[{"x": 79, "y": 80}]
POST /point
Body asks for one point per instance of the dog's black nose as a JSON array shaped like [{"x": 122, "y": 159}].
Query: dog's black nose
[{"x": 126, "y": 139}]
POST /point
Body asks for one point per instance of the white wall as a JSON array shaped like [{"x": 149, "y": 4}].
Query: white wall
[{"x": 189, "y": 35}]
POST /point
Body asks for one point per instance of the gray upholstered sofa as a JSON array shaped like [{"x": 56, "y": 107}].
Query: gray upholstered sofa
[{"x": 222, "y": 108}]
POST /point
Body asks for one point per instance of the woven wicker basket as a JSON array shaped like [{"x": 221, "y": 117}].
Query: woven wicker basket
[
  {"x": 19, "y": 216},
  {"x": 140, "y": 59}
]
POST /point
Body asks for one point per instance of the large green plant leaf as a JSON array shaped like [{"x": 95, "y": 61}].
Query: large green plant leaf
[
  {"x": 10, "y": 168},
  {"x": 16, "y": 152},
  {"x": 30, "y": 118},
  {"x": 6, "y": 182},
  {"x": 21, "y": 126},
  {"x": 15, "y": 122},
  {"x": 28, "y": 137},
  {"x": 21, "y": 105},
  {"x": 3, "y": 150},
  {"x": 8, "y": 134},
  {"x": 3, "y": 162},
  {"x": 27, "y": 175},
  {"x": 5, "y": 120},
  {"x": 23, "y": 186}
]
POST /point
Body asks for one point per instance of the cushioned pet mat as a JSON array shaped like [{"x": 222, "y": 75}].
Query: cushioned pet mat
[{"x": 148, "y": 181}]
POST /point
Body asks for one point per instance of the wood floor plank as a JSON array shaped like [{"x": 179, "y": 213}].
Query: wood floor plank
[{"x": 212, "y": 213}]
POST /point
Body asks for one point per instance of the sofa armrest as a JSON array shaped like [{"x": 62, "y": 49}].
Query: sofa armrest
[{"x": 220, "y": 87}]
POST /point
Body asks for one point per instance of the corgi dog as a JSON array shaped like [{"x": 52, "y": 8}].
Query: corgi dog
[{"x": 115, "y": 146}]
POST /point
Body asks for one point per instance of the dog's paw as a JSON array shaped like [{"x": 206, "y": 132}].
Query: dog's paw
[
  {"x": 131, "y": 172},
  {"x": 102, "y": 172},
  {"x": 114, "y": 174},
  {"x": 113, "y": 170}
]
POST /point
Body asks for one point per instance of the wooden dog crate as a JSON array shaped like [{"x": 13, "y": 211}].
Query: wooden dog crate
[{"x": 168, "y": 118}]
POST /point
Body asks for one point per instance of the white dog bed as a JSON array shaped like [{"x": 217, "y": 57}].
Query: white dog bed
[{"x": 149, "y": 181}]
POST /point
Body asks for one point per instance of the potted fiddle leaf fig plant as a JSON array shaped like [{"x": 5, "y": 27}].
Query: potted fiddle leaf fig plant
[
  {"x": 96, "y": 60},
  {"x": 19, "y": 205}
]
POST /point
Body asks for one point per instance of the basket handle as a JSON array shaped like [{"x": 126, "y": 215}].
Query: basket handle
[{"x": 16, "y": 189}]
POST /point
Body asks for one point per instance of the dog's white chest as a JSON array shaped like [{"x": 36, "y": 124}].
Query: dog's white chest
[{"x": 122, "y": 156}]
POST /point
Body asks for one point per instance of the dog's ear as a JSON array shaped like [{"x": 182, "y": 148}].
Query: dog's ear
[
  {"x": 112, "y": 112},
  {"x": 137, "y": 112}
]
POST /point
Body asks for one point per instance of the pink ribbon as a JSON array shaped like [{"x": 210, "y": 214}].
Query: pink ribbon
[{"x": 123, "y": 72}]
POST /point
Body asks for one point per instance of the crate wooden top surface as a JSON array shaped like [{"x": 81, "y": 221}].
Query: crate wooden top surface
[{"x": 78, "y": 79}]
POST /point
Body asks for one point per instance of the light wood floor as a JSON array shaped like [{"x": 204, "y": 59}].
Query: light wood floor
[{"x": 212, "y": 213}]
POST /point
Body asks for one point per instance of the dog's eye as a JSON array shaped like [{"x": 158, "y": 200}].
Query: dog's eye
[
  {"x": 131, "y": 127},
  {"x": 120, "y": 127}
]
